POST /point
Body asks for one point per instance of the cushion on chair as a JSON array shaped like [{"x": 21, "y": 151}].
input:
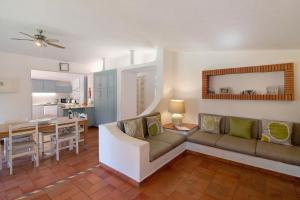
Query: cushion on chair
[
  {"x": 205, "y": 138},
  {"x": 174, "y": 139},
  {"x": 158, "y": 148},
  {"x": 21, "y": 147},
  {"x": 282, "y": 153},
  {"x": 240, "y": 145},
  {"x": 66, "y": 135}
]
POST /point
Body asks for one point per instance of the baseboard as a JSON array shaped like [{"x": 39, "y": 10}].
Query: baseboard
[
  {"x": 272, "y": 167},
  {"x": 120, "y": 175}
]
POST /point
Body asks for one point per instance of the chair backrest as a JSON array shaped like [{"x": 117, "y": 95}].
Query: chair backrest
[
  {"x": 67, "y": 124},
  {"x": 22, "y": 129}
]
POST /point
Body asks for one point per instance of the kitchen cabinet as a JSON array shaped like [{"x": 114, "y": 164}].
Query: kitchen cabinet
[
  {"x": 105, "y": 96},
  {"x": 37, "y": 85},
  {"x": 63, "y": 87},
  {"x": 37, "y": 111},
  {"x": 51, "y": 110},
  {"x": 50, "y": 86}
]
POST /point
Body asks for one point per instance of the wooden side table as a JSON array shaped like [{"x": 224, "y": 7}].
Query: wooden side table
[{"x": 191, "y": 128}]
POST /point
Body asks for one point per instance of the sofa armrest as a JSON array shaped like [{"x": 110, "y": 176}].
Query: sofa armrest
[{"x": 122, "y": 152}]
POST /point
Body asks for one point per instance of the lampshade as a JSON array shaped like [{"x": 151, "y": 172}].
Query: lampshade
[{"x": 176, "y": 106}]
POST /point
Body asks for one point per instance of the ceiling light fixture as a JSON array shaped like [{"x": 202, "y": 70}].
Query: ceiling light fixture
[{"x": 38, "y": 43}]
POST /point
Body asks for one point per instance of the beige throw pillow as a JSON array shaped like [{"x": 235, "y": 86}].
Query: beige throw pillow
[
  {"x": 134, "y": 128},
  {"x": 210, "y": 123}
]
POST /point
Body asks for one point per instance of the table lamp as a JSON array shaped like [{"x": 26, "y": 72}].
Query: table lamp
[{"x": 177, "y": 108}]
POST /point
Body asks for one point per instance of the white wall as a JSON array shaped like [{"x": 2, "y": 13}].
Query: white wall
[
  {"x": 128, "y": 106},
  {"x": 18, "y": 105},
  {"x": 187, "y": 84}
]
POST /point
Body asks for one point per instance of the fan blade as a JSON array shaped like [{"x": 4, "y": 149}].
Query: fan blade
[
  {"x": 28, "y": 35},
  {"x": 55, "y": 45},
  {"x": 21, "y": 39},
  {"x": 51, "y": 40}
]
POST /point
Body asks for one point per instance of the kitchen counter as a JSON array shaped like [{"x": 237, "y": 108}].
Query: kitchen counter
[{"x": 77, "y": 107}]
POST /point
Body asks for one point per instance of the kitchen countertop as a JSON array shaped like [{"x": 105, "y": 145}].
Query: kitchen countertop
[
  {"x": 65, "y": 106},
  {"x": 77, "y": 106}
]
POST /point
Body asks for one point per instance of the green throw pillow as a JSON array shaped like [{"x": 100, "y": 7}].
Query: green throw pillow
[
  {"x": 210, "y": 123},
  {"x": 277, "y": 132},
  {"x": 154, "y": 125},
  {"x": 240, "y": 127},
  {"x": 134, "y": 128}
]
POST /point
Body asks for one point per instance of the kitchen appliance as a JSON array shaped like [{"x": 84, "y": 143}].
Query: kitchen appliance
[{"x": 63, "y": 100}]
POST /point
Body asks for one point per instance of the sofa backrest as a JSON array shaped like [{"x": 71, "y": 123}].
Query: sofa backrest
[
  {"x": 120, "y": 124},
  {"x": 296, "y": 134},
  {"x": 255, "y": 130},
  {"x": 222, "y": 123}
]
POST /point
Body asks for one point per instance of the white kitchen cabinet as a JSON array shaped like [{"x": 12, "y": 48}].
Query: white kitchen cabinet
[
  {"x": 51, "y": 110},
  {"x": 37, "y": 111}
]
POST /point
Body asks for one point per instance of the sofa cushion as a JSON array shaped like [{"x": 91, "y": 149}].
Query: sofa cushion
[
  {"x": 120, "y": 124},
  {"x": 296, "y": 134},
  {"x": 222, "y": 121},
  {"x": 158, "y": 148},
  {"x": 240, "y": 145},
  {"x": 174, "y": 139},
  {"x": 210, "y": 123},
  {"x": 240, "y": 127},
  {"x": 255, "y": 129},
  {"x": 154, "y": 126},
  {"x": 277, "y": 132},
  {"x": 205, "y": 138},
  {"x": 134, "y": 128},
  {"x": 282, "y": 153}
]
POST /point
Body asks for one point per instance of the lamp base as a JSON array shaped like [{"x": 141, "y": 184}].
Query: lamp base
[{"x": 177, "y": 119}]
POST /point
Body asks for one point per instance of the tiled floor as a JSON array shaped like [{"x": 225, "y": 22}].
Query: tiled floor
[
  {"x": 26, "y": 177},
  {"x": 188, "y": 177}
]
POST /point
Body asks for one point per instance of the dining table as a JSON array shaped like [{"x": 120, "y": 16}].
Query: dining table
[{"x": 50, "y": 126}]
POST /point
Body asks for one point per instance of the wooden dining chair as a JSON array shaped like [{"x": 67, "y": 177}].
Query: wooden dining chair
[
  {"x": 66, "y": 132},
  {"x": 19, "y": 148}
]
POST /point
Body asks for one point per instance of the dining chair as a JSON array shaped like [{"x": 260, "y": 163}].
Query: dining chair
[
  {"x": 17, "y": 138},
  {"x": 19, "y": 148},
  {"x": 45, "y": 137},
  {"x": 66, "y": 131}
]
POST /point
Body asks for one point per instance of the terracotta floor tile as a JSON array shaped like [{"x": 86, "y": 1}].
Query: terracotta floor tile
[
  {"x": 190, "y": 176},
  {"x": 105, "y": 191}
]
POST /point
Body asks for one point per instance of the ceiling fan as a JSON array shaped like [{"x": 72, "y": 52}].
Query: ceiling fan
[{"x": 40, "y": 39}]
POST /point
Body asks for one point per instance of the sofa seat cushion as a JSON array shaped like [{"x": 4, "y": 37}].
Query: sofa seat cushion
[
  {"x": 278, "y": 152},
  {"x": 174, "y": 139},
  {"x": 240, "y": 145},
  {"x": 158, "y": 148},
  {"x": 205, "y": 138}
]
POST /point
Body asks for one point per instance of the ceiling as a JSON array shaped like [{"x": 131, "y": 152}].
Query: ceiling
[{"x": 91, "y": 29}]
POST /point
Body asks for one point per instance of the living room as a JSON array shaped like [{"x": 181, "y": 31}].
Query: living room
[{"x": 201, "y": 100}]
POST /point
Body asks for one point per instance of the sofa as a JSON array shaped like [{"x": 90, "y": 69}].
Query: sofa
[{"x": 137, "y": 159}]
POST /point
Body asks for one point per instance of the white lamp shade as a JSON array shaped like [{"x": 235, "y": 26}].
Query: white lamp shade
[{"x": 176, "y": 106}]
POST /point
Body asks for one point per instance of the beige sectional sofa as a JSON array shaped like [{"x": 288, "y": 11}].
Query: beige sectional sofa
[
  {"x": 253, "y": 146},
  {"x": 138, "y": 159},
  {"x": 160, "y": 144}
]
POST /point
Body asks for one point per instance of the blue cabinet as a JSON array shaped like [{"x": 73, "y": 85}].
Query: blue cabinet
[
  {"x": 49, "y": 86},
  {"x": 105, "y": 96},
  {"x": 37, "y": 85},
  {"x": 63, "y": 87}
]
